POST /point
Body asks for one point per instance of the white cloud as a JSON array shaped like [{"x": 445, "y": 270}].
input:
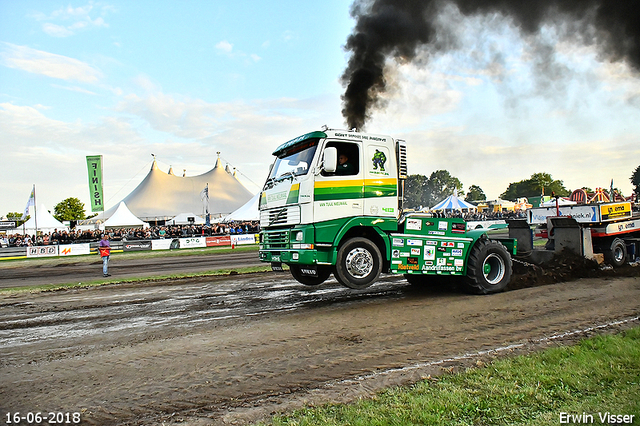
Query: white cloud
[
  {"x": 68, "y": 21},
  {"x": 224, "y": 46},
  {"x": 49, "y": 64}
]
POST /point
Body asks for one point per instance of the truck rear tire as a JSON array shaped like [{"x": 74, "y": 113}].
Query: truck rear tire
[
  {"x": 359, "y": 263},
  {"x": 489, "y": 268},
  {"x": 616, "y": 253},
  {"x": 323, "y": 274}
]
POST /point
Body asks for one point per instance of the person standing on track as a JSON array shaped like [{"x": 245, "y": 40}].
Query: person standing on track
[{"x": 104, "y": 248}]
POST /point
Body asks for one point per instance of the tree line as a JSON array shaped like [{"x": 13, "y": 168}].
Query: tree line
[{"x": 422, "y": 191}]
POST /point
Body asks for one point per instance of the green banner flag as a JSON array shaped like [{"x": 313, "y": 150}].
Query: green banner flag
[{"x": 94, "y": 165}]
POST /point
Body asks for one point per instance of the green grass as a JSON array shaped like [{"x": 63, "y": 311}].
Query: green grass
[{"x": 598, "y": 375}]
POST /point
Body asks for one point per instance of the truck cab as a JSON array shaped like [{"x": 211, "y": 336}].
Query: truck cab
[{"x": 310, "y": 205}]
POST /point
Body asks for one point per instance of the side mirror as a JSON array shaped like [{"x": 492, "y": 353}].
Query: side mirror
[{"x": 330, "y": 159}]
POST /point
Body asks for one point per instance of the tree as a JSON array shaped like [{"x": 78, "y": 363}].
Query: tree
[
  {"x": 422, "y": 191},
  {"x": 635, "y": 181},
  {"x": 475, "y": 193},
  {"x": 414, "y": 189},
  {"x": 69, "y": 209},
  {"x": 536, "y": 185},
  {"x": 17, "y": 218},
  {"x": 441, "y": 184}
]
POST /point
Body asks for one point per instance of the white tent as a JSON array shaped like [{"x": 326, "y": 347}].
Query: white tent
[
  {"x": 249, "y": 211},
  {"x": 123, "y": 218},
  {"x": 183, "y": 219},
  {"x": 45, "y": 221}
]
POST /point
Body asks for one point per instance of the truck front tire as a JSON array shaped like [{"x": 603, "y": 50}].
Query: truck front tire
[
  {"x": 359, "y": 263},
  {"x": 488, "y": 268},
  {"x": 323, "y": 274}
]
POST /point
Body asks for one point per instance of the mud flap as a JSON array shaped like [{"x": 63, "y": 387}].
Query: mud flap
[
  {"x": 276, "y": 267},
  {"x": 309, "y": 270}
]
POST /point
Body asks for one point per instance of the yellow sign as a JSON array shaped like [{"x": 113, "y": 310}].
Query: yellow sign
[{"x": 615, "y": 210}]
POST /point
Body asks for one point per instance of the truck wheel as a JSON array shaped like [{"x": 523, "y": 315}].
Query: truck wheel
[
  {"x": 488, "y": 268},
  {"x": 359, "y": 263},
  {"x": 616, "y": 253},
  {"x": 323, "y": 274}
]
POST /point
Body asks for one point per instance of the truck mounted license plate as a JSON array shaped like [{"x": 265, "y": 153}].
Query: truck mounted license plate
[{"x": 276, "y": 267}]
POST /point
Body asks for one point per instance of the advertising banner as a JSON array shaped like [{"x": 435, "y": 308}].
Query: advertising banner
[
  {"x": 223, "y": 240},
  {"x": 74, "y": 249},
  {"x": 136, "y": 245},
  {"x": 243, "y": 239},
  {"x": 94, "y": 166},
  {"x": 42, "y": 251},
  {"x": 161, "y": 244},
  {"x": 193, "y": 242},
  {"x": 7, "y": 224}
]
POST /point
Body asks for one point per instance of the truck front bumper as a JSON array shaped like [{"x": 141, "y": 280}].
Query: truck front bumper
[{"x": 302, "y": 257}]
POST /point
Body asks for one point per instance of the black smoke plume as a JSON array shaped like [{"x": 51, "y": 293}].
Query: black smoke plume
[{"x": 397, "y": 29}]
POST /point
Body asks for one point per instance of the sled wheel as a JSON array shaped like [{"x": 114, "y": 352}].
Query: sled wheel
[
  {"x": 616, "y": 253},
  {"x": 359, "y": 263},
  {"x": 488, "y": 268},
  {"x": 323, "y": 274}
]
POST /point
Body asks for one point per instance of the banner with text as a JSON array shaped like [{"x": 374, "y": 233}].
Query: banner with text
[
  {"x": 243, "y": 239},
  {"x": 74, "y": 249},
  {"x": 42, "y": 251},
  {"x": 94, "y": 166}
]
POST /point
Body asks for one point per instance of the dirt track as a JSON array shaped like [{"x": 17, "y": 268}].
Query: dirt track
[{"x": 237, "y": 348}]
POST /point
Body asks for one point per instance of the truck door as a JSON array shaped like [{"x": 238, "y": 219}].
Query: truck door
[
  {"x": 340, "y": 195},
  {"x": 381, "y": 181}
]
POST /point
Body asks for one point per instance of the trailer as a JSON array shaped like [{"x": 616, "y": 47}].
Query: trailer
[{"x": 611, "y": 229}]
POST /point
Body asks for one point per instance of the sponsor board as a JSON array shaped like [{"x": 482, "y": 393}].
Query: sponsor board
[
  {"x": 193, "y": 242},
  {"x": 243, "y": 239},
  {"x": 222, "y": 240},
  {"x": 7, "y": 225},
  {"x": 141, "y": 245},
  {"x": 615, "y": 211},
  {"x": 164, "y": 244},
  {"x": 42, "y": 251},
  {"x": 74, "y": 249}
]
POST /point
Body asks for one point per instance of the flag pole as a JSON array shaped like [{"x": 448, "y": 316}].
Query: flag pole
[{"x": 35, "y": 209}]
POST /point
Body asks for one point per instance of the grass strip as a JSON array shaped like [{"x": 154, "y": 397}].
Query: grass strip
[{"x": 596, "y": 377}]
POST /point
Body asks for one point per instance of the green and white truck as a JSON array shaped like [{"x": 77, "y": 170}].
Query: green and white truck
[{"x": 320, "y": 218}]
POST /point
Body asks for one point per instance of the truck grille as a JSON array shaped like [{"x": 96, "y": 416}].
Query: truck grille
[
  {"x": 276, "y": 240},
  {"x": 280, "y": 216}
]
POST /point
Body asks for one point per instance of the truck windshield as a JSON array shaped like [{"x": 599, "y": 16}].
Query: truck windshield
[{"x": 296, "y": 161}]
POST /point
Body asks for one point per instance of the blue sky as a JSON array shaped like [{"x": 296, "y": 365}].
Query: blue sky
[{"x": 184, "y": 80}]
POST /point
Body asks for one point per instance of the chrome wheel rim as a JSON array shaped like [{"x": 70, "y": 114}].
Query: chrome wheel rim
[
  {"x": 359, "y": 263},
  {"x": 493, "y": 269}
]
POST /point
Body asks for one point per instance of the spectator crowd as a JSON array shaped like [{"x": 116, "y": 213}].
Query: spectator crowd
[{"x": 128, "y": 234}]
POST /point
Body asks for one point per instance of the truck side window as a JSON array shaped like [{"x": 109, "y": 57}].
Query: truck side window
[{"x": 348, "y": 159}]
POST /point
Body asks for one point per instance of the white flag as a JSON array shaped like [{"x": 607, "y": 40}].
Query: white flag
[
  {"x": 204, "y": 196},
  {"x": 31, "y": 202}
]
